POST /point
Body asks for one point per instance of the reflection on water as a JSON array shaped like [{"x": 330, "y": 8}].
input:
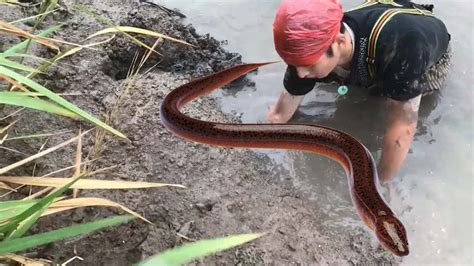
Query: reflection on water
[
  {"x": 358, "y": 113},
  {"x": 433, "y": 191}
]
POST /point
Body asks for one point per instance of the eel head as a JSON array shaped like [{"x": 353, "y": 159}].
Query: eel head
[{"x": 392, "y": 234}]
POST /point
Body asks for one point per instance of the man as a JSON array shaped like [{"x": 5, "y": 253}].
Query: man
[{"x": 394, "y": 49}]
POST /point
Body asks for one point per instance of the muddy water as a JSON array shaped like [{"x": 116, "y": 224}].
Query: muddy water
[{"x": 432, "y": 193}]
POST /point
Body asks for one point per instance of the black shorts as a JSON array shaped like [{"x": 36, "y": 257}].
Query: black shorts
[{"x": 435, "y": 76}]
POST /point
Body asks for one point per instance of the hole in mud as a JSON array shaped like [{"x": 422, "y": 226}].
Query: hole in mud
[{"x": 203, "y": 56}]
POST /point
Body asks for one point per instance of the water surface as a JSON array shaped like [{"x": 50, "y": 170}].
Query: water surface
[{"x": 432, "y": 193}]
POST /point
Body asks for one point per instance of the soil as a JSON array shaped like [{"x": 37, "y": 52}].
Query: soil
[{"x": 228, "y": 191}]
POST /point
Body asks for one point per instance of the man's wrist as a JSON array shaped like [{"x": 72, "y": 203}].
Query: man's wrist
[{"x": 383, "y": 172}]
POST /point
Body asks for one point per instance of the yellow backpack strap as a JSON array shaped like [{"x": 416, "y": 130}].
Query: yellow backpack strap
[
  {"x": 379, "y": 24},
  {"x": 365, "y": 4},
  {"x": 374, "y": 2}
]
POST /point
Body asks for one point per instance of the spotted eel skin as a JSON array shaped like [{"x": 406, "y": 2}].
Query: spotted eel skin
[{"x": 350, "y": 153}]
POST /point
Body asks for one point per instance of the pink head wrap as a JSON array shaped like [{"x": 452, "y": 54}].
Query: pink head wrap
[{"x": 304, "y": 29}]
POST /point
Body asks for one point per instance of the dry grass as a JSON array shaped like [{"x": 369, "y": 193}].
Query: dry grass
[{"x": 84, "y": 166}]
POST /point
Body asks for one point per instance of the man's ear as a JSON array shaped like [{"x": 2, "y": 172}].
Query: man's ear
[{"x": 340, "y": 38}]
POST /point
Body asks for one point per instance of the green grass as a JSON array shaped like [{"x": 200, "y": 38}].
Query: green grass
[
  {"x": 32, "y": 241},
  {"x": 199, "y": 249}
]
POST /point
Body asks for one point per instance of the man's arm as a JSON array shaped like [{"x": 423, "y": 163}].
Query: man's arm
[
  {"x": 402, "y": 118},
  {"x": 284, "y": 109}
]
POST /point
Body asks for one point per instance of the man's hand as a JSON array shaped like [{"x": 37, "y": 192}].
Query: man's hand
[
  {"x": 284, "y": 109},
  {"x": 402, "y": 120},
  {"x": 274, "y": 117}
]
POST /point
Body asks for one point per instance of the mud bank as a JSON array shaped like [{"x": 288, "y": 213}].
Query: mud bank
[{"x": 228, "y": 191}]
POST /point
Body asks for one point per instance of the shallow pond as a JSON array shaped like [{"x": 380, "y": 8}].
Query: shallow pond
[{"x": 432, "y": 193}]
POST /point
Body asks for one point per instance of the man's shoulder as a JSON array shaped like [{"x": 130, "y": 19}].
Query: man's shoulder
[
  {"x": 408, "y": 35},
  {"x": 396, "y": 18},
  {"x": 402, "y": 22}
]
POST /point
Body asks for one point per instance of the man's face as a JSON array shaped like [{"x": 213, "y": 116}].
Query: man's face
[{"x": 322, "y": 67}]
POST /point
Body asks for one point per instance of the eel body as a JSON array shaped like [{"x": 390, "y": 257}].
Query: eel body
[{"x": 351, "y": 154}]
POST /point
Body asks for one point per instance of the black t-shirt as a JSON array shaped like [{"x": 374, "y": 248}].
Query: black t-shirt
[{"x": 407, "y": 45}]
